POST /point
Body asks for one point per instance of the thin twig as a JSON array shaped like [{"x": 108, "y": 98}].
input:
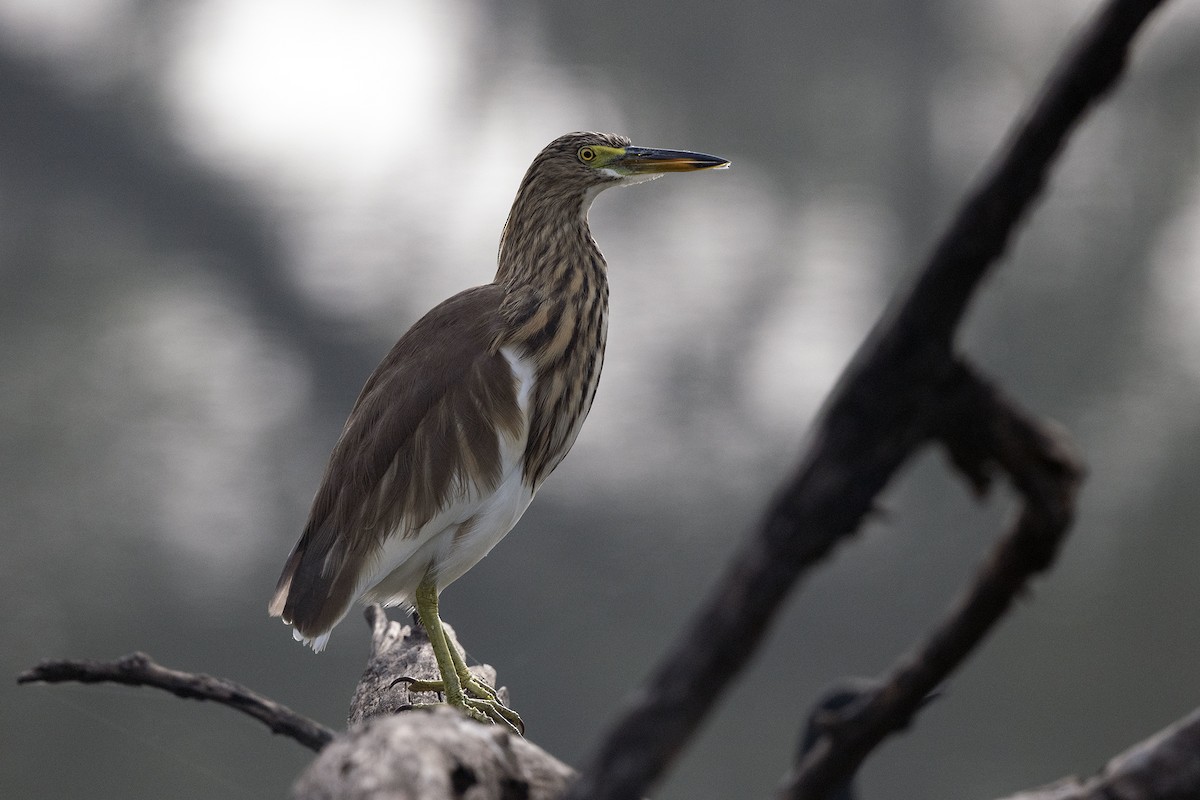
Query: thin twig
[
  {"x": 138, "y": 669},
  {"x": 883, "y": 409}
]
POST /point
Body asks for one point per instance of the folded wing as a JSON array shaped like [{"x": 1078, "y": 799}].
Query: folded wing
[{"x": 424, "y": 434}]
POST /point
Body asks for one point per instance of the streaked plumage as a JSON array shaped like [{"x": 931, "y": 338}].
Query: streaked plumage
[{"x": 474, "y": 407}]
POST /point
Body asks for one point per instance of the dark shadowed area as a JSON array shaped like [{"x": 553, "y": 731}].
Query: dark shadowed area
[{"x": 215, "y": 217}]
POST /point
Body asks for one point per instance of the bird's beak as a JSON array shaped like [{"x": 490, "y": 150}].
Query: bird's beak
[{"x": 648, "y": 160}]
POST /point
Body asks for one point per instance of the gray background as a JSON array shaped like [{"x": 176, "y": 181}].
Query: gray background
[{"x": 215, "y": 217}]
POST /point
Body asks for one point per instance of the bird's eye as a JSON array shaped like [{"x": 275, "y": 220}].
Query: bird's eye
[{"x": 587, "y": 154}]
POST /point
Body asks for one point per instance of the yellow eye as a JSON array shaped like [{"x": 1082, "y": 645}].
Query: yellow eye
[{"x": 587, "y": 154}]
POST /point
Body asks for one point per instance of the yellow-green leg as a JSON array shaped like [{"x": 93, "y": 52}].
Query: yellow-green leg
[{"x": 462, "y": 689}]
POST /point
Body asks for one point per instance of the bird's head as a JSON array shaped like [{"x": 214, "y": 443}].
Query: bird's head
[
  {"x": 599, "y": 160},
  {"x": 559, "y": 188}
]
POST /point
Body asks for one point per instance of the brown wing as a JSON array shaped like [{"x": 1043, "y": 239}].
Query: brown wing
[{"x": 424, "y": 425}]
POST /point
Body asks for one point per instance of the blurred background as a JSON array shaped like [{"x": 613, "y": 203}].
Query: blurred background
[{"x": 216, "y": 216}]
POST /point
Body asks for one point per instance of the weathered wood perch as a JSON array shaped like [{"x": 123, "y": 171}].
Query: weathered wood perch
[
  {"x": 430, "y": 752},
  {"x": 401, "y": 651},
  {"x": 433, "y": 753}
]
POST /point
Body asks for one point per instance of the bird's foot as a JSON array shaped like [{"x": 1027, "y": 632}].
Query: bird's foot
[
  {"x": 493, "y": 711},
  {"x": 475, "y": 699}
]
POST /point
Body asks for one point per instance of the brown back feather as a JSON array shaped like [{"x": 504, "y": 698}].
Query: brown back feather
[{"x": 423, "y": 428}]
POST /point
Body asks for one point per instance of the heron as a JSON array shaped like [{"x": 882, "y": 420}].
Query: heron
[{"x": 468, "y": 414}]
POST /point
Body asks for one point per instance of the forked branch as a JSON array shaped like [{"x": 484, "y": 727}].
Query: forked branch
[
  {"x": 982, "y": 430},
  {"x": 885, "y": 407}
]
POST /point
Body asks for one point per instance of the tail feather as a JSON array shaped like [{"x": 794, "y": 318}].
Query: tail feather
[
  {"x": 317, "y": 643},
  {"x": 279, "y": 599},
  {"x": 278, "y": 604},
  {"x": 309, "y": 599}
]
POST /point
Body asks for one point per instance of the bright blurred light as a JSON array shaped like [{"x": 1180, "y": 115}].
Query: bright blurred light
[
  {"x": 842, "y": 246},
  {"x": 318, "y": 87},
  {"x": 381, "y": 132}
]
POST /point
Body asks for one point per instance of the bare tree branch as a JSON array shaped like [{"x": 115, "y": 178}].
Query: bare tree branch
[
  {"x": 122, "y": 148},
  {"x": 981, "y": 428},
  {"x": 1164, "y": 767},
  {"x": 884, "y": 407},
  {"x": 138, "y": 669}
]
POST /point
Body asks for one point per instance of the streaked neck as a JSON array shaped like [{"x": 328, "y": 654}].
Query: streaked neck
[{"x": 546, "y": 235}]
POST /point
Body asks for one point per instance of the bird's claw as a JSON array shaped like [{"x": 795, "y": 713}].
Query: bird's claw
[
  {"x": 493, "y": 711},
  {"x": 416, "y": 685},
  {"x": 478, "y": 701}
]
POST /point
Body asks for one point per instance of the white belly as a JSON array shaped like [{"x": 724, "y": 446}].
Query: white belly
[{"x": 467, "y": 529}]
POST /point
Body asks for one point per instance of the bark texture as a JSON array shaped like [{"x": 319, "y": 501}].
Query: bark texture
[{"x": 433, "y": 753}]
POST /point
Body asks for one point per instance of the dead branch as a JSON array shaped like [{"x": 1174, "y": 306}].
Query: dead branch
[
  {"x": 1164, "y": 767},
  {"x": 982, "y": 430},
  {"x": 138, "y": 669},
  {"x": 885, "y": 406},
  {"x": 835, "y": 703},
  {"x": 429, "y": 749}
]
